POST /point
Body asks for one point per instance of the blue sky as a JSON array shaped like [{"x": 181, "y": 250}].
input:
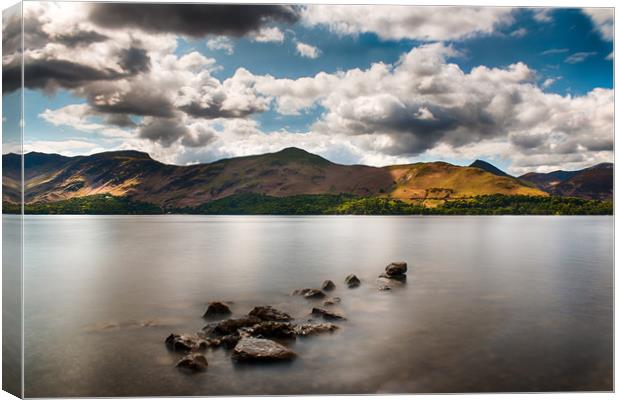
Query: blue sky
[{"x": 566, "y": 52}]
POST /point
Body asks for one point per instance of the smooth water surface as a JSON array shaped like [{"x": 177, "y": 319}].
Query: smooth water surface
[{"x": 491, "y": 303}]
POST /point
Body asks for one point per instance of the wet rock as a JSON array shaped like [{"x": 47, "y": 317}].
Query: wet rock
[
  {"x": 332, "y": 301},
  {"x": 268, "y": 313},
  {"x": 352, "y": 281},
  {"x": 185, "y": 343},
  {"x": 217, "y": 309},
  {"x": 254, "y": 349},
  {"x": 272, "y": 329},
  {"x": 230, "y": 341},
  {"x": 194, "y": 362},
  {"x": 396, "y": 268},
  {"x": 328, "y": 315},
  {"x": 308, "y": 329},
  {"x": 328, "y": 285}
]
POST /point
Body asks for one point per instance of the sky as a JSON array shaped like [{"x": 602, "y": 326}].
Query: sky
[{"x": 528, "y": 89}]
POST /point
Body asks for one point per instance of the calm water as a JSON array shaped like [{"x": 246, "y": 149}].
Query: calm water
[{"x": 492, "y": 303}]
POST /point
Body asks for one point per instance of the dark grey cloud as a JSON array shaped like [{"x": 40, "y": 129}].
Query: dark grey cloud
[
  {"x": 215, "y": 110},
  {"x": 139, "y": 100},
  {"x": 164, "y": 131},
  {"x": 199, "y": 139},
  {"x": 51, "y": 74},
  {"x": 134, "y": 60},
  {"x": 121, "y": 120},
  {"x": 80, "y": 38},
  {"x": 194, "y": 20},
  {"x": 33, "y": 34}
]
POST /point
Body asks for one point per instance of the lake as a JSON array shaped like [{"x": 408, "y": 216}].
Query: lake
[{"x": 491, "y": 303}]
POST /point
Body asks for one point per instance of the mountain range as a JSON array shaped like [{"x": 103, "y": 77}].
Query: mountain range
[{"x": 289, "y": 172}]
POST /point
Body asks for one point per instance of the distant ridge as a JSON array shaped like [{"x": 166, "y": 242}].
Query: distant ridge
[
  {"x": 594, "y": 183},
  {"x": 288, "y": 172}
]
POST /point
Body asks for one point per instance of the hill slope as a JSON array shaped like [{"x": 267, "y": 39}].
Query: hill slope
[{"x": 292, "y": 171}]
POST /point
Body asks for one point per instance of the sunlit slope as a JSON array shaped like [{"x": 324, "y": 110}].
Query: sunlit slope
[{"x": 439, "y": 180}]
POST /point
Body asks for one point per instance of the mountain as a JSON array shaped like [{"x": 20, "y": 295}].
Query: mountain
[
  {"x": 485, "y": 166},
  {"x": 289, "y": 172},
  {"x": 594, "y": 183}
]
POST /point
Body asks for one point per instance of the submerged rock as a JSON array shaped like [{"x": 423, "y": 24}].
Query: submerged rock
[
  {"x": 396, "y": 268},
  {"x": 268, "y": 313},
  {"x": 398, "y": 277},
  {"x": 308, "y": 329},
  {"x": 254, "y": 349},
  {"x": 217, "y": 309},
  {"x": 331, "y": 301},
  {"x": 185, "y": 343},
  {"x": 230, "y": 326},
  {"x": 309, "y": 293},
  {"x": 328, "y": 285},
  {"x": 352, "y": 281},
  {"x": 329, "y": 315},
  {"x": 194, "y": 362}
]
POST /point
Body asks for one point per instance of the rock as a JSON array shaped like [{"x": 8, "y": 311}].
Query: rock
[
  {"x": 195, "y": 362},
  {"x": 230, "y": 341},
  {"x": 308, "y": 329},
  {"x": 331, "y": 301},
  {"x": 397, "y": 277},
  {"x": 328, "y": 315},
  {"x": 271, "y": 329},
  {"x": 396, "y": 268},
  {"x": 253, "y": 349},
  {"x": 185, "y": 343},
  {"x": 352, "y": 281},
  {"x": 230, "y": 326},
  {"x": 328, "y": 285},
  {"x": 314, "y": 294},
  {"x": 217, "y": 309},
  {"x": 268, "y": 313},
  {"x": 309, "y": 293}
]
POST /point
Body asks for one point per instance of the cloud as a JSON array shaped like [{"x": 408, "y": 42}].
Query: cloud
[
  {"x": 80, "y": 38},
  {"x": 195, "y": 20},
  {"x": 519, "y": 33},
  {"x": 543, "y": 14},
  {"x": 548, "y": 82},
  {"x": 406, "y": 22},
  {"x": 603, "y": 21},
  {"x": 553, "y": 51},
  {"x": 162, "y": 130},
  {"x": 268, "y": 34},
  {"x": 610, "y": 56},
  {"x": 221, "y": 43},
  {"x": 423, "y": 103},
  {"x": 307, "y": 50},
  {"x": 579, "y": 57}
]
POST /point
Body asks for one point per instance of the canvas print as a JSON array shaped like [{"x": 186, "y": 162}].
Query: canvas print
[{"x": 287, "y": 199}]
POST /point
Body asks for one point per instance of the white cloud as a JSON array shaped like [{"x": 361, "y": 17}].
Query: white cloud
[
  {"x": 603, "y": 21},
  {"x": 543, "y": 14},
  {"x": 307, "y": 50},
  {"x": 268, "y": 34},
  {"x": 610, "y": 56},
  {"x": 222, "y": 43},
  {"x": 554, "y": 51},
  {"x": 519, "y": 33},
  {"x": 406, "y": 22},
  {"x": 548, "y": 82},
  {"x": 579, "y": 57}
]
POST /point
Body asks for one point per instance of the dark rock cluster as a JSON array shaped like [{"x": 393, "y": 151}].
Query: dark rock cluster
[{"x": 262, "y": 334}]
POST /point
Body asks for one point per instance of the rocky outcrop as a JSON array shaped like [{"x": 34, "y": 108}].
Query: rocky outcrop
[
  {"x": 194, "y": 362},
  {"x": 272, "y": 329},
  {"x": 328, "y": 285},
  {"x": 352, "y": 281},
  {"x": 217, "y": 309},
  {"x": 185, "y": 343},
  {"x": 251, "y": 349},
  {"x": 268, "y": 313},
  {"x": 396, "y": 271}
]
